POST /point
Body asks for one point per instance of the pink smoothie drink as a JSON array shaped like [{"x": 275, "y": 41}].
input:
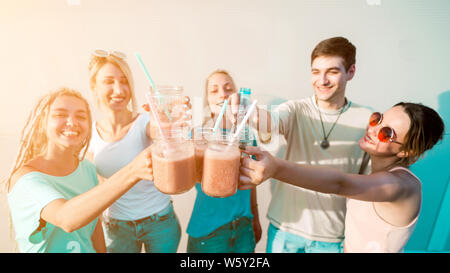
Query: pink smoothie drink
[
  {"x": 221, "y": 171},
  {"x": 199, "y": 156},
  {"x": 200, "y": 137},
  {"x": 173, "y": 174}
]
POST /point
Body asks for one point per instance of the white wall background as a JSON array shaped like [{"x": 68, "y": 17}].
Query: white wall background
[{"x": 402, "y": 54}]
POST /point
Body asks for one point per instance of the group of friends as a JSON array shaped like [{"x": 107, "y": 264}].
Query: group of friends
[{"x": 86, "y": 186}]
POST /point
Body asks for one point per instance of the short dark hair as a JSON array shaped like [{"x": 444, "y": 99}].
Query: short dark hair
[
  {"x": 426, "y": 129},
  {"x": 336, "y": 46}
]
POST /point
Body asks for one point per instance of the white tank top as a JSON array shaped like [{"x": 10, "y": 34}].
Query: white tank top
[
  {"x": 365, "y": 231},
  {"x": 143, "y": 199}
]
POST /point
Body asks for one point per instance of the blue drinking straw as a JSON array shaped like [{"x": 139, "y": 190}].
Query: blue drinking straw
[
  {"x": 153, "y": 84},
  {"x": 219, "y": 118}
]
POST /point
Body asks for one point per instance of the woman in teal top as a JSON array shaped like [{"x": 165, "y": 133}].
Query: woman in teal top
[
  {"x": 32, "y": 192},
  {"x": 53, "y": 194},
  {"x": 223, "y": 225}
]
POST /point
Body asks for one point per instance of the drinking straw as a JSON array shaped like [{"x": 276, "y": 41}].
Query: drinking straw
[
  {"x": 155, "y": 114},
  {"x": 138, "y": 57},
  {"x": 244, "y": 120},
  {"x": 219, "y": 118}
]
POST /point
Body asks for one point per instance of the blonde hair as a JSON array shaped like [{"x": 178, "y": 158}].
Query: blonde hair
[
  {"x": 33, "y": 140},
  {"x": 97, "y": 63},
  {"x": 208, "y": 115}
]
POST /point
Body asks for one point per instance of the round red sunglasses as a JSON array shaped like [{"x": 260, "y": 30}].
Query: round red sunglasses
[{"x": 385, "y": 134}]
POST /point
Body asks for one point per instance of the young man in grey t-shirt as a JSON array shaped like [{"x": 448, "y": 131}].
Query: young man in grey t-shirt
[{"x": 323, "y": 129}]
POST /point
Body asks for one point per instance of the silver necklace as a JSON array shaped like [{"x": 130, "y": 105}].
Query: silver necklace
[{"x": 325, "y": 144}]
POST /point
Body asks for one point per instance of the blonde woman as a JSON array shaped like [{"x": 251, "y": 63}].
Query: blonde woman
[
  {"x": 143, "y": 216},
  {"x": 53, "y": 194},
  {"x": 228, "y": 224}
]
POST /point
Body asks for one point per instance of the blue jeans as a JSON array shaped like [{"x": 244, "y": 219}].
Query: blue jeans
[
  {"x": 279, "y": 241},
  {"x": 234, "y": 237},
  {"x": 159, "y": 233}
]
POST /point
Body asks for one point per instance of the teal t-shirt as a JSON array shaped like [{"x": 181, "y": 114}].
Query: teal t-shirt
[
  {"x": 210, "y": 213},
  {"x": 32, "y": 192}
]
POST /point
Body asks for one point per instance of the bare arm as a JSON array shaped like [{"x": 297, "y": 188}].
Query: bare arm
[
  {"x": 378, "y": 187},
  {"x": 98, "y": 239},
  {"x": 263, "y": 123},
  {"x": 253, "y": 201},
  {"x": 254, "y": 208},
  {"x": 79, "y": 211},
  {"x": 186, "y": 101},
  {"x": 260, "y": 120}
]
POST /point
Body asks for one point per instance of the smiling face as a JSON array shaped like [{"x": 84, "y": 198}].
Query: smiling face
[
  {"x": 329, "y": 79},
  {"x": 111, "y": 88},
  {"x": 220, "y": 86},
  {"x": 68, "y": 124},
  {"x": 399, "y": 121}
]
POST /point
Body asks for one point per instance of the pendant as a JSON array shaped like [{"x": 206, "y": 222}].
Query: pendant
[{"x": 324, "y": 144}]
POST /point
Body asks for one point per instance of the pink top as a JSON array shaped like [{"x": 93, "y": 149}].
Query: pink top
[{"x": 366, "y": 231}]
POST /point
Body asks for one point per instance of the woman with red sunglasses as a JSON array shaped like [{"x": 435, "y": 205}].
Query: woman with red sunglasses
[{"x": 383, "y": 207}]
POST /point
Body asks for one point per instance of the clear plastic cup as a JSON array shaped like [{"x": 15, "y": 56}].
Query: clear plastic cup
[
  {"x": 221, "y": 164},
  {"x": 173, "y": 163},
  {"x": 172, "y": 111}
]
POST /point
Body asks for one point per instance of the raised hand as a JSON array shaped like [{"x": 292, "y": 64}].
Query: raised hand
[
  {"x": 232, "y": 113},
  {"x": 254, "y": 172},
  {"x": 181, "y": 117},
  {"x": 142, "y": 165}
]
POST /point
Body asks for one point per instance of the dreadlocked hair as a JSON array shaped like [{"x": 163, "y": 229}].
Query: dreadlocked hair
[{"x": 33, "y": 140}]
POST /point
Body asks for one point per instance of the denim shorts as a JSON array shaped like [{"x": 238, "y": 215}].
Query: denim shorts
[
  {"x": 158, "y": 233},
  {"x": 279, "y": 241},
  {"x": 234, "y": 237}
]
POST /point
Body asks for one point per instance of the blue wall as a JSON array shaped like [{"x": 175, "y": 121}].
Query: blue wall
[{"x": 432, "y": 230}]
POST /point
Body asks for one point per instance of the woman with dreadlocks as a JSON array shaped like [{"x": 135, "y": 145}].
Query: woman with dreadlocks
[{"x": 53, "y": 192}]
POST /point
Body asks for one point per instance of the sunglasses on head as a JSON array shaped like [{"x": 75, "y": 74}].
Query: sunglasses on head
[
  {"x": 385, "y": 134},
  {"x": 103, "y": 54}
]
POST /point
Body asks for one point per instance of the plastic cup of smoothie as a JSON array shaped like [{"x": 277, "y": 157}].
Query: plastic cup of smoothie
[
  {"x": 173, "y": 163},
  {"x": 221, "y": 164},
  {"x": 200, "y": 137}
]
